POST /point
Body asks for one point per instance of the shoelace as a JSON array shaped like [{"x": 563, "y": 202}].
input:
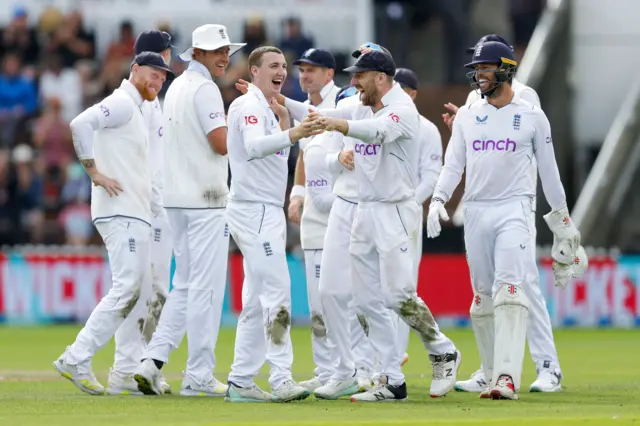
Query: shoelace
[{"x": 438, "y": 370}]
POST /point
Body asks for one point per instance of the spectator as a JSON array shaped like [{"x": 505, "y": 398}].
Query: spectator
[
  {"x": 118, "y": 59},
  {"x": 19, "y": 38},
  {"x": 52, "y": 135},
  {"x": 71, "y": 41},
  {"x": 29, "y": 192},
  {"x": 75, "y": 217},
  {"x": 64, "y": 84},
  {"x": 18, "y": 98},
  {"x": 524, "y": 18},
  {"x": 9, "y": 208},
  {"x": 294, "y": 43}
]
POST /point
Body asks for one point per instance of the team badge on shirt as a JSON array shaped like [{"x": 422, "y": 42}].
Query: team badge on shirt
[{"x": 516, "y": 122}]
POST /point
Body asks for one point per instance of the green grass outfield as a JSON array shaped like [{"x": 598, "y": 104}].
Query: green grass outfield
[{"x": 601, "y": 387}]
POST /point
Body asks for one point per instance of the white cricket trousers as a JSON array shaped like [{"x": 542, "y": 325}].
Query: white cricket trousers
[
  {"x": 320, "y": 344},
  {"x": 492, "y": 259},
  {"x": 384, "y": 240},
  {"x": 129, "y": 347},
  {"x": 263, "y": 328},
  {"x": 351, "y": 348},
  {"x": 127, "y": 242},
  {"x": 194, "y": 305}
]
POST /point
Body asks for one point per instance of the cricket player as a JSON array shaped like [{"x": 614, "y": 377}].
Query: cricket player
[
  {"x": 195, "y": 196},
  {"x": 539, "y": 330},
  {"x": 385, "y": 229},
  {"x": 260, "y": 138},
  {"x": 112, "y": 141},
  {"x": 429, "y": 166},
  {"x": 129, "y": 344},
  {"x": 497, "y": 139}
]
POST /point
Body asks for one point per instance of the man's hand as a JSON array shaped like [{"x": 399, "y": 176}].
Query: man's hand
[
  {"x": 436, "y": 213},
  {"x": 346, "y": 159},
  {"x": 295, "y": 209},
  {"x": 566, "y": 237},
  {"x": 112, "y": 186},
  {"x": 329, "y": 124},
  {"x": 304, "y": 130},
  {"x": 448, "y": 119},
  {"x": 242, "y": 86},
  {"x": 564, "y": 273}
]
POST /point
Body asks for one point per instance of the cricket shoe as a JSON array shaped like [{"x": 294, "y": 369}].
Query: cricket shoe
[
  {"x": 289, "y": 391},
  {"x": 148, "y": 377},
  {"x": 405, "y": 359},
  {"x": 164, "y": 386},
  {"x": 122, "y": 384},
  {"x": 445, "y": 369},
  {"x": 335, "y": 389},
  {"x": 486, "y": 393},
  {"x": 237, "y": 393},
  {"x": 311, "y": 384},
  {"x": 476, "y": 383},
  {"x": 504, "y": 388},
  {"x": 547, "y": 381},
  {"x": 383, "y": 392},
  {"x": 192, "y": 387},
  {"x": 364, "y": 383},
  {"x": 81, "y": 375}
]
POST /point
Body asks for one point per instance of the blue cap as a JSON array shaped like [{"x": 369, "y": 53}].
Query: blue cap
[
  {"x": 369, "y": 45},
  {"x": 374, "y": 61},
  {"x": 489, "y": 37},
  {"x": 152, "y": 41},
  {"x": 19, "y": 11},
  {"x": 406, "y": 77},
  {"x": 151, "y": 59},
  {"x": 318, "y": 57},
  {"x": 492, "y": 52}
]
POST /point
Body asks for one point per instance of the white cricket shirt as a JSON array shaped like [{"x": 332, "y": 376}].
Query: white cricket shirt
[
  {"x": 115, "y": 134},
  {"x": 258, "y": 151},
  {"x": 430, "y": 161},
  {"x": 195, "y": 175},
  {"x": 499, "y": 147},
  {"x": 328, "y": 94},
  {"x": 525, "y": 92},
  {"x": 152, "y": 113}
]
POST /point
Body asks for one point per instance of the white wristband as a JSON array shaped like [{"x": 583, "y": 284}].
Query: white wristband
[{"x": 297, "y": 191}]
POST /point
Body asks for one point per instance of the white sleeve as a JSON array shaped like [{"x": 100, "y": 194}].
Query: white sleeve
[
  {"x": 112, "y": 112},
  {"x": 472, "y": 97},
  {"x": 399, "y": 123},
  {"x": 430, "y": 161},
  {"x": 321, "y": 190},
  {"x": 334, "y": 144},
  {"x": 299, "y": 110},
  {"x": 209, "y": 107},
  {"x": 257, "y": 143},
  {"x": 547, "y": 166},
  {"x": 530, "y": 95},
  {"x": 455, "y": 160}
]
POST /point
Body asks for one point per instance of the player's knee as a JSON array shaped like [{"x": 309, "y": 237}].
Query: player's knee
[
  {"x": 510, "y": 294},
  {"x": 129, "y": 298},
  {"x": 397, "y": 296},
  {"x": 318, "y": 327},
  {"x": 481, "y": 306},
  {"x": 278, "y": 325}
]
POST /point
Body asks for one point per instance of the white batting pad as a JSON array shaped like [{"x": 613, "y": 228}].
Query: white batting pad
[
  {"x": 482, "y": 321},
  {"x": 511, "y": 309}
]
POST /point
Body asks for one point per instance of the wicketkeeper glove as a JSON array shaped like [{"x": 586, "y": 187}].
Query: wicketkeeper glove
[
  {"x": 566, "y": 237},
  {"x": 436, "y": 213},
  {"x": 564, "y": 273}
]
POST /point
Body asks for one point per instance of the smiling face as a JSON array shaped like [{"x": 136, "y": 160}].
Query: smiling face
[
  {"x": 216, "y": 61},
  {"x": 268, "y": 69},
  {"x": 367, "y": 84},
  {"x": 313, "y": 78},
  {"x": 148, "y": 81}
]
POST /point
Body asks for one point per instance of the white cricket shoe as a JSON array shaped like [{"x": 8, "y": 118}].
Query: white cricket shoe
[
  {"x": 122, "y": 384},
  {"x": 445, "y": 369},
  {"x": 382, "y": 392},
  {"x": 164, "y": 386},
  {"x": 236, "y": 393},
  {"x": 364, "y": 383},
  {"x": 547, "y": 381},
  {"x": 311, "y": 384},
  {"x": 289, "y": 391},
  {"x": 81, "y": 375},
  {"x": 504, "y": 388},
  {"x": 147, "y": 375},
  {"x": 192, "y": 387},
  {"x": 476, "y": 383},
  {"x": 335, "y": 389}
]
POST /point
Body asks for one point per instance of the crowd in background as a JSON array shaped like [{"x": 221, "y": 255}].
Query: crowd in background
[{"x": 49, "y": 73}]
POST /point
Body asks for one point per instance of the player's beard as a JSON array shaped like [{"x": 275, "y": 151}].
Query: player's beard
[
  {"x": 146, "y": 93},
  {"x": 369, "y": 95}
]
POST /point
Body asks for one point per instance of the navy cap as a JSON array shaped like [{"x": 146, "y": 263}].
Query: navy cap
[
  {"x": 492, "y": 52},
  {"x": 489, "y": 37},
  {"x": 406, "y": 77},
  {"x": 151, "y": 59},
  {"x": 318, "y": 57},
  {"x": 369, "y": 45},
  {"x": 152, "y": 41},
  {"x": 374, "y": 61}
]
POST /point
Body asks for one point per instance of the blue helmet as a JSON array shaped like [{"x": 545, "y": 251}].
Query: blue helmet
[
  {"x": 346, "y": 92},
  {"x": 489, "y": 37},
  {"x": 497, "y": 53}
]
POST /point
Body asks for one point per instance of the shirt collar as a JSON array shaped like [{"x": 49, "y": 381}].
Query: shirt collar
[
  {"x": 395, "y": 93},
  {"x": 132, "y": 91},
  {"x": 199, "y": 68},
  {"x": 258, "y": 94},
  {"x": 324, "y": 92}
]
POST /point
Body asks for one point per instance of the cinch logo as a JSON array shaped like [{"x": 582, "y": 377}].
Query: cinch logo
[
  {"x": 491, "y": 145},
  {"x": 366, "y": 149},
  {"x": 316, "y": 183},
  {"x": 283, "y": 153}
]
